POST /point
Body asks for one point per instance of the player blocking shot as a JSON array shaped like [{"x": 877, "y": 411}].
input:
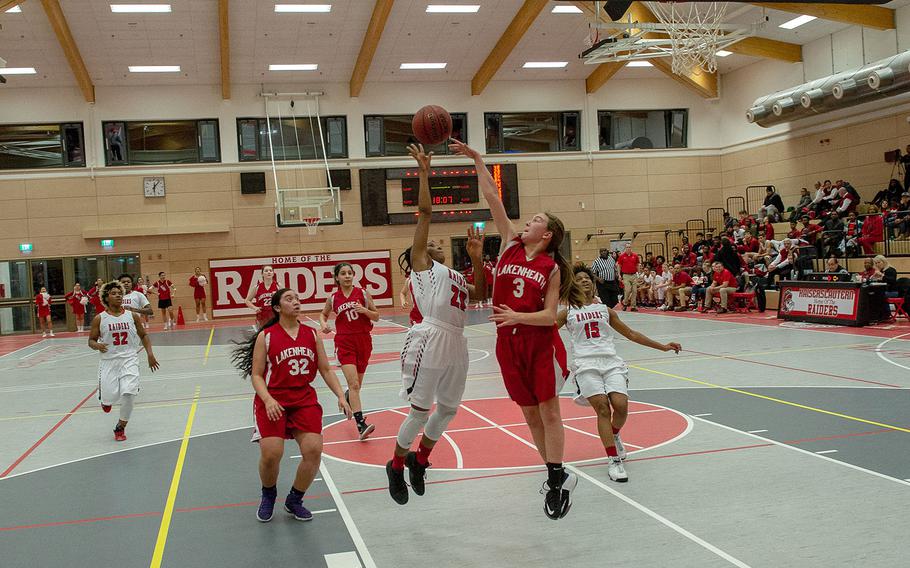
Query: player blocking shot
[
  {"x": 118, "y": 335},
  {"x": 282, "y": 358},
  {"x": 434, "y": 359},
  {"x": 355, "y": 313},
  {"x": 260, "y": 296},
  {"x": 601, "y": 376},
  {"x": 530, "y": 280}
]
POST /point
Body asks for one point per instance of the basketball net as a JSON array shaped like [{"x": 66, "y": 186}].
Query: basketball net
[
  {"x": 312, "y": 225},
  {"x": 695, "y": 34}
]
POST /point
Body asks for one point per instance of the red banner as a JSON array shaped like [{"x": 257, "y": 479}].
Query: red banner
[
  {"x": 310, "y": 275},
  {"x": 806, "y": 300}
]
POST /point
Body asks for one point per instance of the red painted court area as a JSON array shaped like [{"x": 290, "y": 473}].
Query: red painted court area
[{"x": 491, "y": 433}]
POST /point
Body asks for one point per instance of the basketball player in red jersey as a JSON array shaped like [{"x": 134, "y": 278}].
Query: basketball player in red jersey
[
  {"x": 530, "y": 280},
  {"x": 282, "y": 358},
  {"x": 355, "y": 313},
  {"x": 260, "y": 295}
]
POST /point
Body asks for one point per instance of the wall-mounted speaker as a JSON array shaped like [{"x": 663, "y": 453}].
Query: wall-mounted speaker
[
  {"x": 341, "y": 179},
  {"x": 374, "y": 207},
  {"x": 252, "y": 182}
]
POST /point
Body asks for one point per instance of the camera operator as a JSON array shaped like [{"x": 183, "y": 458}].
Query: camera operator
[{"x": 904, "y": 160}]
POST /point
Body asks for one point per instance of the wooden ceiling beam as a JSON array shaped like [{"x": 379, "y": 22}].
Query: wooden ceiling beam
[
  {"x": 602, "y": 73},
  {"x": 860, "y": 15},
  {"x": 225, "y": 44},
  {"x": 507, "y": 42},
  {"x": 70, "y": 49},
  {"x": 768, "y": 48},
  {"x": 381, "y": 11},
  {"x": 9, "y": 4}
]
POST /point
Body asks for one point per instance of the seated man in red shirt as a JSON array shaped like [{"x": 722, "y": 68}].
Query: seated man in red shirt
[
  {"x": 679, "y": 289},
  {"x": 809, "y": 232},
  {"x": 749, "y": 245},
  {"x": 723, "y": 284},
  {"x": 794, "y": 232}
]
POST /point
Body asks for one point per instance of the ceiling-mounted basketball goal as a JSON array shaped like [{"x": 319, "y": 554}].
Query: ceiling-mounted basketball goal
[
  {"x": 304, "y": 195},
  {"x": 691, "y": 33}
]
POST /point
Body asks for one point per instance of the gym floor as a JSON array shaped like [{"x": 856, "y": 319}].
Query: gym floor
[{"x": 761, "y": 444}]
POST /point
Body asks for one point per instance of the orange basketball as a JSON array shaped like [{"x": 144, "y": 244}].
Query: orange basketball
[{"x": 432, "y": 125}]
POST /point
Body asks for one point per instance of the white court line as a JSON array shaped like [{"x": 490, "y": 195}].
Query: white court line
[
  {"x": 394, "y": 323},
  {"x": 827, "y": 452},
  {"x": 342, "y": 560},
  {"x": 14, "y": 351},
  {"x": 701, "y": 415},
  {"x": 661, "y": 519},
  {"x": 500, "y": 428},
  {"x": 24, "y": 357},
  {"x": 598, "y": 436},
  {"x": 319, "y": 512},
  {"x": 806, "y": 452},
  {"x": 878, "y": 351},
  {"x": 348, "y": 520},
  {"x": 756, "y": 431},
  {"x": 459, "y": 460}
]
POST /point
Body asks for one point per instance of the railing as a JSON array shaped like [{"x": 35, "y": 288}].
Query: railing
[
  {"x": 755, "y": 197},
  {"x": 618, "y": 236},
  {"x": 658, "y": 247},
  {"x": 694, "y": 226},
  {"x": 715, "y": 217},
  {"x": 735, "y": 204}
]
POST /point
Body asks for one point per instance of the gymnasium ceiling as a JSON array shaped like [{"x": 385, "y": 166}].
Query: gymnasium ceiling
[{"x": 189, "y": 36}]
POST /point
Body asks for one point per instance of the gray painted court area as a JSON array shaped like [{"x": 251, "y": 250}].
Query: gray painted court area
[{"x": 801, "y": 461}]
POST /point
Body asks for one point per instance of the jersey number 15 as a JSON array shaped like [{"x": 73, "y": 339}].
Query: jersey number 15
[{"x": 592, "y": 329}]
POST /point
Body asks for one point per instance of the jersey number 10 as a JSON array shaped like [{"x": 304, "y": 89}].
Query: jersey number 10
[{"x": 592, "y": 329}]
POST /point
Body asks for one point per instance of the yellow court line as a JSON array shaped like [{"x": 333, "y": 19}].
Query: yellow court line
[
  {"x": 208, "y": 347},
  {"x": 773, "y": 399},
  {"x": 158, "y": 555}
]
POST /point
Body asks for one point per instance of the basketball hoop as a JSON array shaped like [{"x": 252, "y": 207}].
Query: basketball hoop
[
  {"x": 696, "y": 34},
  {"x": 312, "y": 224}
]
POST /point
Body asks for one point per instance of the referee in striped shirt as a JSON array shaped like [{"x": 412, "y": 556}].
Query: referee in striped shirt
[{"x": 604, "y": 268}]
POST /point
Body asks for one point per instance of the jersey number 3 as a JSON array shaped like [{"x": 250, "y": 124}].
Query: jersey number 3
[
  {"x": 459, "y": 298},
  {"x": 592, "y": 329},
  {"x": 120, "y": 337}
]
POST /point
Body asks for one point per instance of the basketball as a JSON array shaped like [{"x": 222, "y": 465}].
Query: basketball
[{"x": 432, "y": 125}]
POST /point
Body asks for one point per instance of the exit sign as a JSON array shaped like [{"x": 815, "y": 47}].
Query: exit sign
[
  {"x": 25, "y": 248},
  {"x": 107, "y": 244}
]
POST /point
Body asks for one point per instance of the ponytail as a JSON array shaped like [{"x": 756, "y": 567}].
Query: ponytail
[
  {"x": 569, "y": 292},
  {"x": 404, "y": 261},
  {"x": 242, "y": 355}
]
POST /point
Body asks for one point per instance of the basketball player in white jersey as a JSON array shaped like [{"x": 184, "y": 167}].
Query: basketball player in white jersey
[
  {"x": 118, "y": 335},
  {"x": 601, "y": 376},
  {"x": 134, "y": 300},
  {"x": 434, "y": 359}
]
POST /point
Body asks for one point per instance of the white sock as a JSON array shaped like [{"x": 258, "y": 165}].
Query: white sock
[{"x": 126, "y": 406}]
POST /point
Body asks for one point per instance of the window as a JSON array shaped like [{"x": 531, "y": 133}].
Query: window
[
  {"x": 292, "y": 138},
  {"x": 389, "y": 135},
  {"x": 25, "y": 146},
  {"x": 161, "y": 142},
  {"x": 627, "y": 129},
  {"x": 510, "y": 132}
]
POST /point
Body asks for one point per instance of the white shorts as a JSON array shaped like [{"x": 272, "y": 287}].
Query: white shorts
[
  {"x": 434, "y": 367},
  {"x": 117, "y": 377},
  {"x": 599, "y": 375}
]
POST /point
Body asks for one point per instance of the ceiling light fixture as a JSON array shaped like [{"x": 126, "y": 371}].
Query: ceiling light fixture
[
  {"x": 639, "y": 63},
  {"x": 154, "y": 68},
  {"x": 452, "y": 8},
  {"x": 565, "y": 9},
  {"x": 17, "y": 71},
  {"x": 422, "y": 66},
  {"x": 15, "y": 10},
  {"x": 294, "y": 67},
  {"x": 797, "y": 22},
  {"x": 140, "y": 8},
  {"x": 304, "y": 8},
  {"x": 723, "y": 53},
  {"x": 545, "y": 64}
]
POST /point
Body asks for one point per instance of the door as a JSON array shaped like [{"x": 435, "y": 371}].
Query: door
[
  {"x": 15, "y": 293},
  {"x": 49, "y": 274}
]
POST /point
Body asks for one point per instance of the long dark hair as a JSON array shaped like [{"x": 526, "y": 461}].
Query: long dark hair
[
  {"x": 242, "y": 355},
  {"x": 404, "y": 261},
  {"x": 569, "y": 292},
  {"x": 337, "y": 270}
]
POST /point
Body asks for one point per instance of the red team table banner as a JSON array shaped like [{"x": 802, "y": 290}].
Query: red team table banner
[
  {"x": 822, "y": 302},
  {"x": 309, "y": 274}
]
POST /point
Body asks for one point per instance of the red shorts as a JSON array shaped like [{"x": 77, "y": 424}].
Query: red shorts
[
  {"x": 354, "y": 349},
  {"x": 44, "y": 313},
  {"x": 198, "y": 293},
  {"x": 301, "y": 413},
  {"x": 529, "y": 362},
  {"x": 78, "y": 308}
]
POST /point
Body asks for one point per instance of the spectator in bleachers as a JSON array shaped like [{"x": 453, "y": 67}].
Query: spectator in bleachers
[
  {"x": 847, "y": 200},
  {"x": 679, "y": 289},
  {"x": 872, "y": 231},
  {"x": 643, "y": 281},
  {"x": 782, "y": 263},
  {"x": 853, "y": 226},
  {"x": 762, "y": 253},
  {"x": 723, "y": 283},
  {"x": 736, "y": 233},
  {"x": 886, "y": 273},
  {"x": 832, "y": 235},
  {"x": 728, "y": 221},
  {"x": 891, "y": 193},
  {"x": 675, "y": 255},
  {"x": 803, "y": 206},
  {"x": 659, "y": 284},
  {"x": 902, "y": 218},
  {"x": 728, "y": 257},
  {"x": 766, "y": 227},
  {"x": 809, "y": 232},
  {"x": 794, "y": 232},
  {"x": 649, "y": 260},
  {"x": 773, "y": 204},
  {"x": 749, "y": 245},
  {"x": 821, "y": 192}
]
